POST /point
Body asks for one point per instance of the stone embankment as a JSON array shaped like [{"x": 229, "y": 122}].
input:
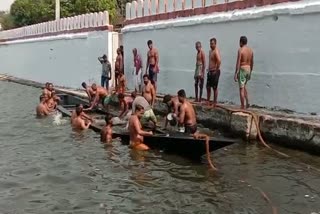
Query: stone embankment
[{"x": 291, "y": 130}]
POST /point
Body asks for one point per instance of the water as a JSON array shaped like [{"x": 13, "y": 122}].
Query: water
[{"x": 45, "y": 167}]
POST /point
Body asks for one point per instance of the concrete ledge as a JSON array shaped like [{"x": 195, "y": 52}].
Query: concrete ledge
[{"x": 290, "y": 130}]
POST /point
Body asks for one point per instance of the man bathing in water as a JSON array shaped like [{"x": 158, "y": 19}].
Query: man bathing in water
[
  {"x": 106, "y": 131},
  {"x": 148, "y": 115},
  {"x": 244, "y": 68},
  {"x": 187, "y": 115},
  {"x": 148, "y": 91},
  {"x": 43, "y": 108},
  {"x": 47, "y": 91},
  {"x": 125, "y": 104},
  {"x": 78, "y": 122},
  {"x": 152, "y": 64},
  {"x": 173, "y": 105},
  {"x": 213, "y": 71},
  {"x": 199, "y": 71},
  {"x": 101, "y": 95},
  {"x": 53, "y": 101},
  {"x": 118, "y": 68},
  {"x": 135, "y": 129},
  {"x": 89, "y": 91},
  {"x": 83, "y": 115}
]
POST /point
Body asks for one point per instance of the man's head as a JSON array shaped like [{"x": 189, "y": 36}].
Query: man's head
[
  {"x": 167, "y": 99},
  {"x": 108, "y": 119},
  {"x": 79, "y": 110},
  {"x": 84, "y": 85},
  {"x": 79, "y": 106},
  {"x": 150, "y": 44},
  {"x": 213, "y": 43},
  {"x": 94, "y": 87},
  {"x": 121, "y": 97},
  {"x": 134, "y": 51},
  {"x": 50, "y": 87},
  {"x": 198, "y": 46},
  {"x": 181, "y": 95},
  {"x": 146, "y": 79},
  {"x": 104, "y": 57},
  {"x": 42, "y": 98},
  {"x": 243, "y": 41},
  {"x": 134, "y": 95},
  {"x": 46, "y": 85},
  {"x": 139, "y": 111}
]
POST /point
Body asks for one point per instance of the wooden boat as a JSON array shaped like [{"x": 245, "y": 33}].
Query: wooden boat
[{"x": 166, "y": 141}]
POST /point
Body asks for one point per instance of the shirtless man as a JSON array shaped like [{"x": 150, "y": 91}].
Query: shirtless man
[
  {"x": 136, "y": 132},
  {"x": 89, "y": 91},
  {"x": 122, "y": 83},
  {"x": 173, "y": 105},
  {"x": 213, "y": 71},
  {"x": 152, "y": 64},
  {"x": 43, "y": 109},
  {"x": 48, "y": 90},
  {"x": 244, "y": 68},
  {"x": 118, "y": 68},
  {"x": 187, "y": 115},
  {"x": 83, "y": 115},
  {"x": 199, "y": 71},
  {"x": 53, "y": 101},
  {"x": 101, "y": 95},
  {"x": 148, "y": 90},
  {"x": 78, "y": 122},
  {"x": 125, "y": 104},
  {"x": 106, "y": 131}
]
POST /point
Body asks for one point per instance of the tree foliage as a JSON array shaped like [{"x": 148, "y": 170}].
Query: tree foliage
[{"x": 28, "y": 12}]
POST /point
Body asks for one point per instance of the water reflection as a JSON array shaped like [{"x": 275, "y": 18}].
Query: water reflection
[{"x": 49, "y": 168}]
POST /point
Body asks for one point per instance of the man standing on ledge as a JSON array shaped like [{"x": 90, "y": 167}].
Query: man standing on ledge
[
  {"x": 213, "y": 71},
  {"x": 244, "y": 68},
  {"x": 199, "y": 72},
  {"x": 187, "y": 115},
  {"x": 152, "y": 64},
  {"x": 106, "y": 71},
  {"x": 148, "y": 91},
  {"x": 118, "y": 68},
  {"x": 137, "y": 70}
]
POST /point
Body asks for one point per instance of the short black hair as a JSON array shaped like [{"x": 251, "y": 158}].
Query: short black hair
[
  {"x": 243, "y": 40},
  {"x": 108, "y": 118},
  {"x": 84, "y": 85},
  {"x": 104, "y": 56},
  {"x": 167, "y": 98},
  {"x": 133, "y": 94},
  {"x": 149, "y": 42},
  {"x": 146, "y": 75},
  {"x": 213, "y": 39},
  {"x": 78, "y": 110},
  {"x": 139, "y": 107},
  {"x": 41, "y": 97},
  {"x": 77, "y": 105},
  {"x": 182, "y": 93},
  {"x": 120, "y": 96}
]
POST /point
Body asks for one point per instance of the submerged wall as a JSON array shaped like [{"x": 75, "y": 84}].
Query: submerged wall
[
  {"x": 283, "y": 36},
  {"x": 64, "y": 52}
]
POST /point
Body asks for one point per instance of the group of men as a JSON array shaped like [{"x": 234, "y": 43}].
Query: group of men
[
  {"x": 48, "y": 101},
  {"x": 244, "y": 67}
]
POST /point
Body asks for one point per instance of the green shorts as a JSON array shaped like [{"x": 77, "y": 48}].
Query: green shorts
[
  {"x": 148, "y": 116},
  {"x": 106, "y": 100},
  {"x": 197, "y": 71},
  {"x": 243, "y": 77}
]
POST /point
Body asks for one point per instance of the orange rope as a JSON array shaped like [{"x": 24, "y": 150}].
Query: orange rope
[
  {"x": 207, "y": 139},
  {"x": 254, "y": 117}
]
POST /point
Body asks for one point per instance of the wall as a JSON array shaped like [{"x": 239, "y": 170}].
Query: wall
[
  {"x": 283, "y": 36},
  {"x": 64, "y": 52}
]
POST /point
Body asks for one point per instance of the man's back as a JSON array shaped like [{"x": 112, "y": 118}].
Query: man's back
[
  {"x": 142, "y": 102},
  {"x": 246, "y": 55}
]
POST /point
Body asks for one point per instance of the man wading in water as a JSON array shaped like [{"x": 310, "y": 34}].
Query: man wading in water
[
  {"x": 199, "y": 71},
  {"x": 213, "y": 71},
  {"x": 152, "y": 64},
  {"x": 187, "y": 115},
  {"x": 244, "y": 68}
]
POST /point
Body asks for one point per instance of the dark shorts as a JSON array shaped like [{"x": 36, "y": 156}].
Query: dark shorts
[
  {"x": 199, "y": 80},
  {"x": 213, "y": 79},
  {"x": 153, "y": 76},
  {"x": 190, "y": 129}
]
